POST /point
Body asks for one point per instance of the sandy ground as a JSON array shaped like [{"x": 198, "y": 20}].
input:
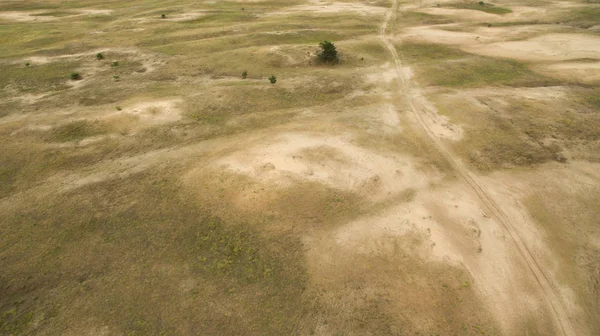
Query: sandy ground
[{"x": 459, "y": 219}]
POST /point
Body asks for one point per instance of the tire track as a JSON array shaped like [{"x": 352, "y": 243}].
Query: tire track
[{"x": 550, "y": 293}]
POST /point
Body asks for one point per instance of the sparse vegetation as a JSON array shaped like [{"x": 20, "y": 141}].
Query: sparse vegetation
[
  {"x": 311, "y": 205},
  {"x": 75, "y": 76},
  {"x": 481, "y": 6}
]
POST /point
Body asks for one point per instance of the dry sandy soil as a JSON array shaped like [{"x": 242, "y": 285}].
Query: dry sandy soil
[{"x": 442, "y": 179}]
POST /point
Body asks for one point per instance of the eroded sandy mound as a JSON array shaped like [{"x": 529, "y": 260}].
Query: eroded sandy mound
[{"x": 334, "y": 161}]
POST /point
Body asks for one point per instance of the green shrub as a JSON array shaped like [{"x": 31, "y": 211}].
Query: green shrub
[
  {"x": 327, "y": 52},
  {"x": 75, "y": 76},
  {"x": 99, "y": 56},
  {"x": 273, "y": 79},
  {"x": 244, "y": 74}
]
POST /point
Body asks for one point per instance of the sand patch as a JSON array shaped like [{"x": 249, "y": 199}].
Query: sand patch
[
  {"x": 551, "y": 47},
  {"x": 333, "y": 161},
  {"x": 440, "y": 125},
  {"x": 446, "y": 226},
  {"x": 184, "y": 16},
  {"x": 432, "y": 35},
  {"x": 95, "y": 11},
  {"x": 383, "y": 74},
  {"x": 26, "y": 16},
  {"x": 39, "y": 16},
  {"x": 322, "y": 7},
  {"x": 154, "y": 112},
  {"x": 438, "y": 35}
]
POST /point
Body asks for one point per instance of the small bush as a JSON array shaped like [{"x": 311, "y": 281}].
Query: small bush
[
  {"x": 273, "y": 79},
  {"x": 119, "y": 108},
  {"x": 27, "y": 64},
  {"x": 75, "y": 76},
  {"x": 163, "y": 16},
  {"x": 116, "y": 78},
  {"x": 99, "y": 56},
  {"x": 244, "y": 74},
  {"x": 327, "y": 52}
]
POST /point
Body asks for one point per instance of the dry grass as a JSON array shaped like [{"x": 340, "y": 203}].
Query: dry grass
[
  {"x": 465, "y": 70},
  {"x": 569, "y": 219},
  {"x": 178, "y": 245}
]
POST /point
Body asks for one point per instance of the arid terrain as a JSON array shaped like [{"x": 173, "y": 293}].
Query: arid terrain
[{"x": 442, "y": 179}]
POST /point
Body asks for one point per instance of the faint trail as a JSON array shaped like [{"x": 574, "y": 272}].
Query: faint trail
[{"x": 550, "y": 294}]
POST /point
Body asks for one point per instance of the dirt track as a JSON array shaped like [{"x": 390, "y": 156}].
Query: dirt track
[{"x": 404, "y": 84}]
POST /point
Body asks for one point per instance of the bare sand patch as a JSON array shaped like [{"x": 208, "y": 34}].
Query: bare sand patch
[
  {"x": 333, "y": 161},
  {"x": 154, "y": 112},
  {"x": 451, "y": 228},
  {"x": 39, "y": 16},
  {"x": 439, "y": 35},
  {"x": 95, "y": 11},
  {"x": 333, "y": 8},
  {"x": 551, "y": 47},
  {"x": 28, "y": 16}
]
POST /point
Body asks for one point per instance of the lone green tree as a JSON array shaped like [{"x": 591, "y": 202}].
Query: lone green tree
[{"x": 327, "y": 52}]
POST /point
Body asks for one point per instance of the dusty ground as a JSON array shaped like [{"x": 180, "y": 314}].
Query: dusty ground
[{"x": 442, "y": 179}]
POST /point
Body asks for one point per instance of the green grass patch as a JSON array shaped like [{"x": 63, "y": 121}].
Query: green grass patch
[
  {"x": 450, "y": 67},
  {"x": 429, "y": 53},
  {"x": 38, "y": 78},
  {"x": 76, "y": 130},
  {"x": 481, "y": 6},
  {"x": 230, "y": 101},
  {"x": 418, "y": 18},
  {"x": 583, "y": 17},
  {"x": 107, "y": 239},
  {"x": 55, "y": 13}
]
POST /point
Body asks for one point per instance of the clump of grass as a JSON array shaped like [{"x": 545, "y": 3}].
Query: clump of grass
[
  {"x": 116, "y": 78},
  {"x": 115, "y": 63},
  {"x": 27, "y": 64},
  {"x": 75, "y": 130},
  {"x": 163, "y": 16},
  {"x": 273, "y": 79},
  {"x": 75, "y": 76},
  {"x": 99, "y": 56},
  {"x": 244, "y": 74}
]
